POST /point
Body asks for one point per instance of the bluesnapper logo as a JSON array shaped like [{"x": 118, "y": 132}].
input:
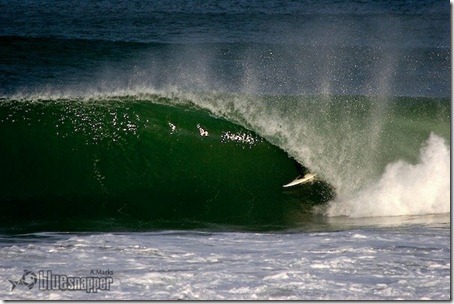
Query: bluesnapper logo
[
  {"x": 48, "y": 281},
  {"x": 28, "y": 280}
]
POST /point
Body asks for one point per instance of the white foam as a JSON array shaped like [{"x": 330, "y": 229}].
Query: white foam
[{"x": 404, "y": 188}]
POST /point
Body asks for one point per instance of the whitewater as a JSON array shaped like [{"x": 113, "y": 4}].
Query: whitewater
[{"x": 356, "y": 263}]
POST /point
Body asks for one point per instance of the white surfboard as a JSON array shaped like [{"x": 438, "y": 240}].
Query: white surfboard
[{"x": 305, "y": 179}]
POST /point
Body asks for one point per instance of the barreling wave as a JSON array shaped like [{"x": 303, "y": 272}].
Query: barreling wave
[
  {"x": 175, "y": 157},
  {"x": 384, "y": 156},
  {"x": 138, "y": 160}
]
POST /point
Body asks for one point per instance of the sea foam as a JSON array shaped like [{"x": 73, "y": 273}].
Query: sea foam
[{"x": 404, "y": 188}]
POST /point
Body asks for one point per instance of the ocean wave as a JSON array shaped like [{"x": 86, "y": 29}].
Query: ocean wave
[{"x": 217, "y": 157}]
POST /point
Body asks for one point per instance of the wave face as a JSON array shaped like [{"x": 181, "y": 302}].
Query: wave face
[
  {"x": 132, "y": 159},
  {"x": 222, "y": 158},
  {"x": 384, "y": 156}
]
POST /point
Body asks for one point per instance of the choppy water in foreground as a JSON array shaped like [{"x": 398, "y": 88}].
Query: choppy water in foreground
[{"x": 398, "y": 259}]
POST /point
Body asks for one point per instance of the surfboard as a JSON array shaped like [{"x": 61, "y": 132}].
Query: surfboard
[{"x": 305, "y": 179}]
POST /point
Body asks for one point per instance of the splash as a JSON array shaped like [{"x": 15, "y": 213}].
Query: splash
[{"x": 404, "y": 188}]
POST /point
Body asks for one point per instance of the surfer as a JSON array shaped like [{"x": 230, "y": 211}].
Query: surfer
[
  {"x": 301, "y": 170},
  {"x": 304, "y": 176}
]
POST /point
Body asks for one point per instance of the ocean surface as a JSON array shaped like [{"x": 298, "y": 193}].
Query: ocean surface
[{"x": 144, "y": 146}]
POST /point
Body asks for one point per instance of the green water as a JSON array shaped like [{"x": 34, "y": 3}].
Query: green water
[
  {"x": 166, "y": 160},
  {"x": 137, "y": 160}
]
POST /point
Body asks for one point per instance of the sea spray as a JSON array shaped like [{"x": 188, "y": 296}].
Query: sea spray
[
  {"x": 347, "y": 140},
  {"x": 404, "y": 188},
  {"x": 366, "y": 147}
]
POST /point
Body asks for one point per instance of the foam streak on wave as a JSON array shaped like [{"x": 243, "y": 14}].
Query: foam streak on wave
[{"x": 404, "y": 188}]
